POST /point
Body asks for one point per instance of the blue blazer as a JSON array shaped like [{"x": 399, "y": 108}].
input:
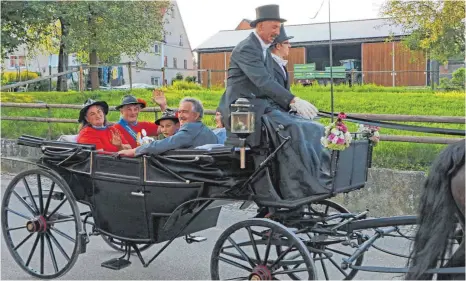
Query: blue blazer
[{"x": 190, "y": 135}]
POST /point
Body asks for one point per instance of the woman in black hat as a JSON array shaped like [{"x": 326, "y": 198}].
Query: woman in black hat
[{"x": 95, "y": 130}]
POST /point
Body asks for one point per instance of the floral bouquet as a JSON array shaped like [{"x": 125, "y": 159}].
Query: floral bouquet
[
  {"x": 336, "y": 135},
  {"x": 369, "y": 132}
]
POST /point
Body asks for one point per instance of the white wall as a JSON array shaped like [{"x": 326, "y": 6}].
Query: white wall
[{"x": 171, "y": 49}]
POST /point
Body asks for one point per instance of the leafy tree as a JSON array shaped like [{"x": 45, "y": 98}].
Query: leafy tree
[
  {"x": 98, "y": 31},
  {"x": 436, "y": 26},
  {"x": 22, "y": 24}
]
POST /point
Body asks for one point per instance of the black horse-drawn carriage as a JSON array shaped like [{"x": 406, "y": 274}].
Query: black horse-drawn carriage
[{"x": 137, "y": 202}]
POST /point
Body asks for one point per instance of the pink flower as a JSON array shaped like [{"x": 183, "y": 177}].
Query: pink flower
[
  {"x": 341, "y": 115},
  {"x": 341, "y": 141},
  {"x": 342, "y": 127}
]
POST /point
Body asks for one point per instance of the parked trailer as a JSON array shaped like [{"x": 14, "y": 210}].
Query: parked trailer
[{"x": 348, "y": 72}]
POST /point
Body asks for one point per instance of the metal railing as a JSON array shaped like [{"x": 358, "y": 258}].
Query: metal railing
[{"x": 156, "y": 110}]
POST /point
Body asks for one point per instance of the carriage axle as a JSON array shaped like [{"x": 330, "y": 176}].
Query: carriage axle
[{"x": 37, "y": 225}]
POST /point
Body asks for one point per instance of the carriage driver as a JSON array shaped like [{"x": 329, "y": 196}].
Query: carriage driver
[
  {"x": 129, "y": 126},
  {"x": 192, "y": 132}
]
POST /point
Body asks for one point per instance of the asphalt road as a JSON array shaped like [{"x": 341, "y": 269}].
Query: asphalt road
[{"x": 181, "y": 260}]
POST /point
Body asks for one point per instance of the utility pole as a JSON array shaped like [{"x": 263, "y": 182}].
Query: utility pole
[{"x": 331, "y": 59}]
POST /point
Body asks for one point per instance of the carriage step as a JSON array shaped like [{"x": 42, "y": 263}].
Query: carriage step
[
  {"x": 116, "y": 263},
  {"x": 191, "y": 239}
]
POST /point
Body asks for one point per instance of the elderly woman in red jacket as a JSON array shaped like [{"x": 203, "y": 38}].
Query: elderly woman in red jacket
[{"x": 95, "y": 129}]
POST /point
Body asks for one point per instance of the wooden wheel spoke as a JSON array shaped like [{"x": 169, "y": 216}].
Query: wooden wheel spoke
[
  {"x": 21, "y": 199},
  {"x": 46, "y": 209},
  {"x": 225, "y": 260},
  {"x": 32, "y": 250},
  {"x": 242, "y": 253},
  {"x": 52, "y": 254},
  {"x": 28, "y": 190}
]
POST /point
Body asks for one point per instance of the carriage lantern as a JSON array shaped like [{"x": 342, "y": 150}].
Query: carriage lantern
[{"x": 242, "y": 124}]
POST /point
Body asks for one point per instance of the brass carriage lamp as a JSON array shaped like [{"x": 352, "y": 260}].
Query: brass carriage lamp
[{"x": 242, "y": 124}]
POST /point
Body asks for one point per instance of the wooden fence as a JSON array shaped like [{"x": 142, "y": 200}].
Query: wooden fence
[{"x": 156, "y": 110}]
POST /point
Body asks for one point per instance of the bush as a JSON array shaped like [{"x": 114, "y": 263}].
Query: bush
[
  {"x": 178, "y": 77},
  {"x": 190, "y": 79},
  {"x": 458, "y": 78},
  {"x": 457, "y": 82},
  {"x": 180, "y": 85},
  {"x": 12, "y": 76}
]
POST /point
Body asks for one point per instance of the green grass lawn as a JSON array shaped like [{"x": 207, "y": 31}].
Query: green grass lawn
[{"x": 362, "y": 99}]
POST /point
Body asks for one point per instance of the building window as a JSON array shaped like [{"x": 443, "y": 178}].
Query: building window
[
  {"x": 181, "y": 40},
  {"x": 185, "y": 64},
  {"x": 174, "y": 63},
  {"x": 155, "y": 81},
  {"x": 157, "y": 48},
  {"x": 17, "y": 61},
  {"x": 165, "y": 61},
  {"x": 173, "y": 13}
]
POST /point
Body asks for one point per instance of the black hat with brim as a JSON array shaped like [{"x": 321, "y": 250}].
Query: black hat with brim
[
  {"x": 267, "y": 13},
  {"x": 129, "y": 99},
  {"x": 89, "y": 103},
  {"x": 168, "y": 115}
]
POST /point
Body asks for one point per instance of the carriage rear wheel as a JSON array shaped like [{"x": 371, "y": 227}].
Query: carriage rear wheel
[
  {"x": 116, "y": 244},
  {"x": 41, "y": 223},
  {"x": 247, "y": 255}
]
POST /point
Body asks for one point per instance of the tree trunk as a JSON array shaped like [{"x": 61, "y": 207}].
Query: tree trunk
[
  {"x": 62, "y": 81},
  {"x": 93, "y": 71}
]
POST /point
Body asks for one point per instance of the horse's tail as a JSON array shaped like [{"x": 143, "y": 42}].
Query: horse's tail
[{"x": 436, "y": 213}]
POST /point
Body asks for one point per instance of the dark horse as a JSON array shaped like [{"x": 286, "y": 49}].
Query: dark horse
[{"x": 441, "y": 207}]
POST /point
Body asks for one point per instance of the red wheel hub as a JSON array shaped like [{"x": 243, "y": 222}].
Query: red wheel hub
[
  {"x": 260, "y": 272},
  {"x": 37, "y": 224}
]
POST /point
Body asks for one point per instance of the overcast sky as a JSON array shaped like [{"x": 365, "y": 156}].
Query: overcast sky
[{"x": 204, "y": 18}]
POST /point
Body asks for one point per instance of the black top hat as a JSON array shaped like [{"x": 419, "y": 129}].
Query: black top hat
[
  {"x": 267, "y": 12},
  {"x": 168, "y": 115},
  {"x": 282, "y": 37},
  {"x": 130, "y": 99},
  {"x": 89, "y": 103}
]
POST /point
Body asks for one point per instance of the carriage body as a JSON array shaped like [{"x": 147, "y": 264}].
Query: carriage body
[
  {"x": 146, "y": 199},
  {"x": 153, "y": 199}
]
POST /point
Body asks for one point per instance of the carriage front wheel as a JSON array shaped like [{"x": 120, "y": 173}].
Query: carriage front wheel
[
  {"x": 41, "y": 223},
  {"x": 244, "y": 251}
]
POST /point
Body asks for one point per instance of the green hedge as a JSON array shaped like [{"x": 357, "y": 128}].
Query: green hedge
[{"x": 356, "y": 100}]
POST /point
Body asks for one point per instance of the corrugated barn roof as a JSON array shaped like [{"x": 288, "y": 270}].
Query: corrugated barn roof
[{"x": 312, "y": 33}]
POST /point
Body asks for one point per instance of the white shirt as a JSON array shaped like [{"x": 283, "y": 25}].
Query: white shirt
[
  {"x": 263, "y": 45},
  {"x": 281, "y": 62}
]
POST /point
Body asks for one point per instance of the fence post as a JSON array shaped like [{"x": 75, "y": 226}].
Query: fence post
[
  {"x": 163, "y": 80},
  {"x": 49, "y": 115},
  {"x": 209, "y": 78},
  {"x": 50, "y": 80},
  {"x": 81, "y": 78},
  {"x": 130, "y": 76}
]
